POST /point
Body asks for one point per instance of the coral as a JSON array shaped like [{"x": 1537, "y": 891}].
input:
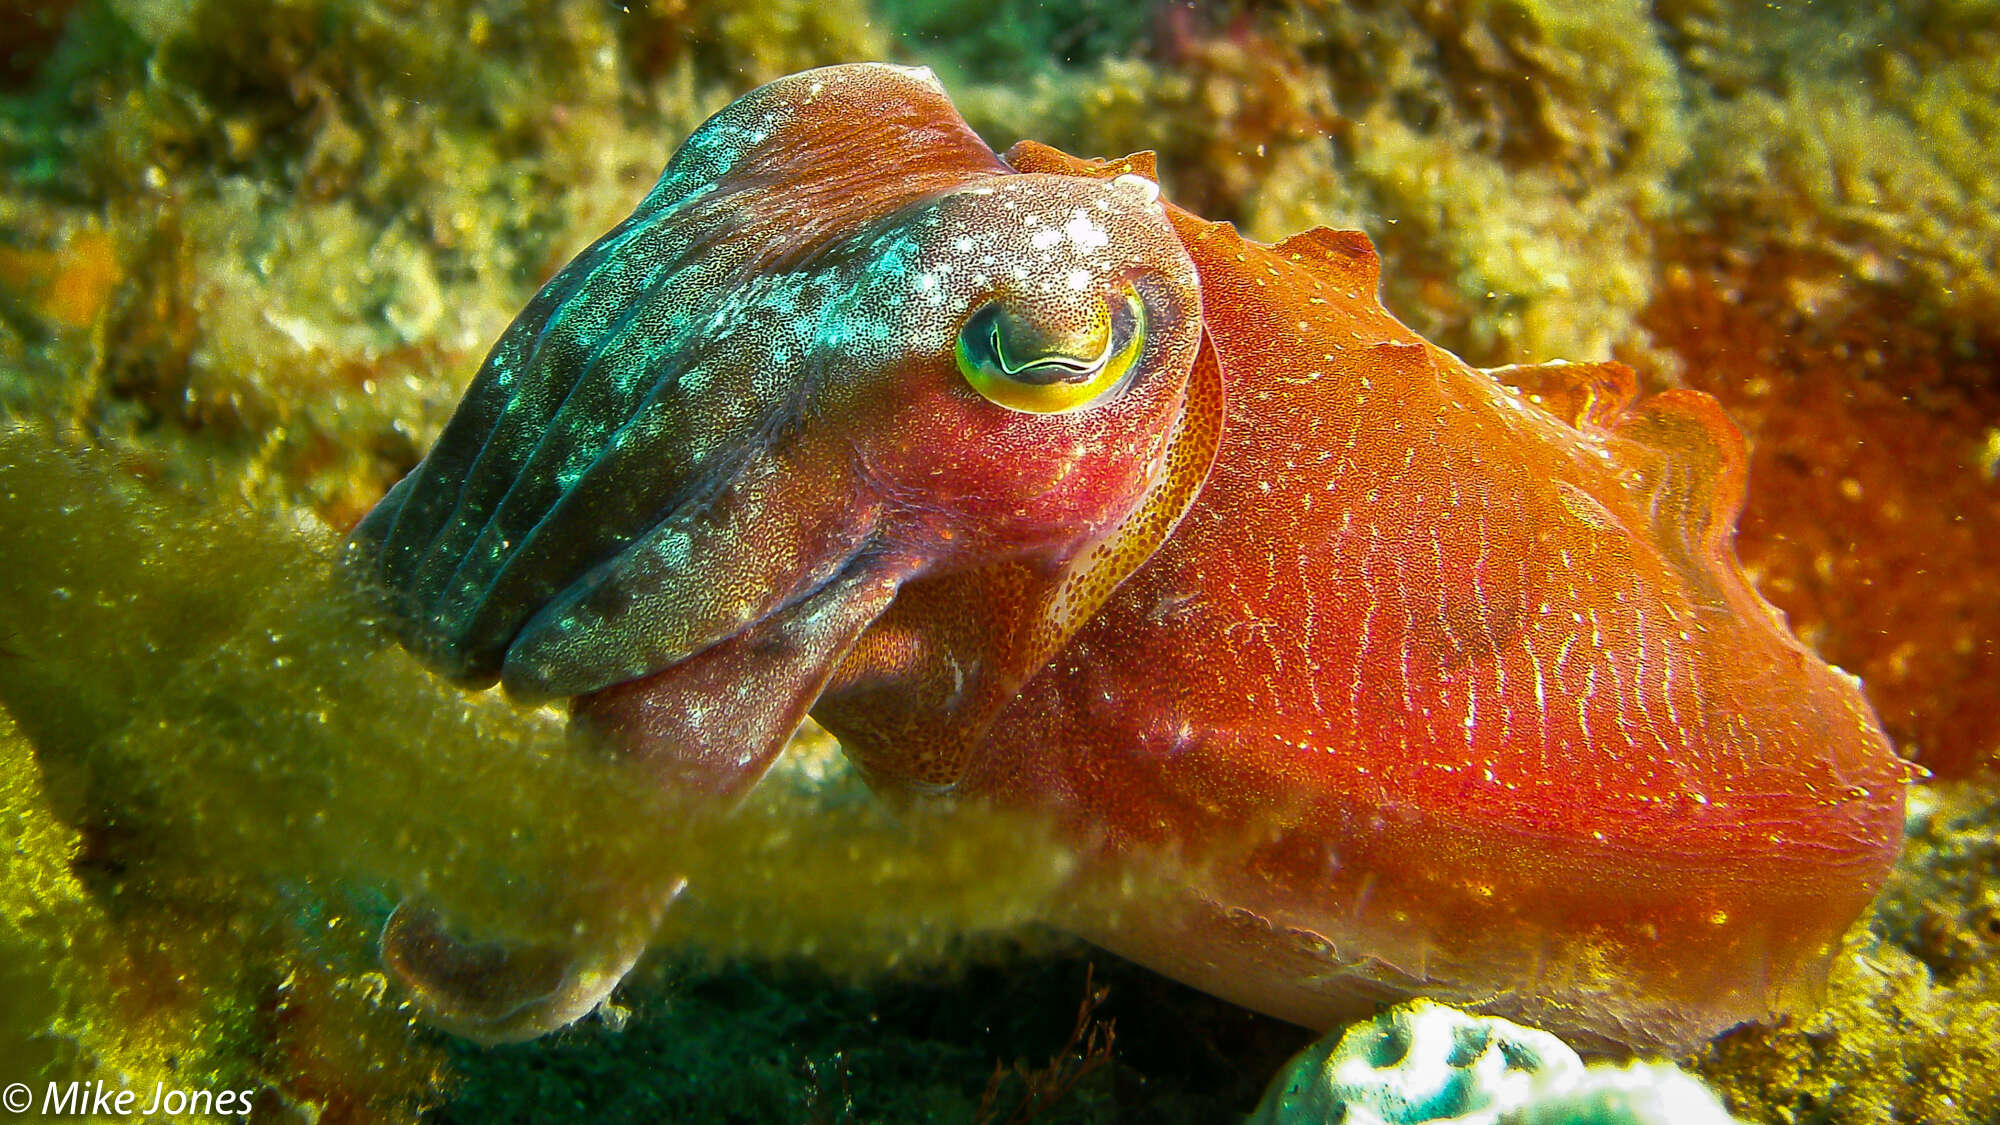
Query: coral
[
  {"x": 1636, "y": 1094},
  {"x": 1420, "y": 1061},
  {"x": 1425, "y": 1062}
]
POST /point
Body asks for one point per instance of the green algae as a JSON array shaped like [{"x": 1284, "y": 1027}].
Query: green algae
[
  {"x": 40, "y": 899},
  {"x": 1862, "y": 133},
  {"x": 238, "y": 773}
]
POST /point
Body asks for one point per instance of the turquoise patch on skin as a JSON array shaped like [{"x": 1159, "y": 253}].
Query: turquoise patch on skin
[{"x": 672, "y": 357}]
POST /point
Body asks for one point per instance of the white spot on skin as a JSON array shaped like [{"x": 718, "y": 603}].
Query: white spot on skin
[
  {"x": 1138, "y": 185},
  {"x": 1087, "y": 236},
  {"x": 1079, "y": 279},
  {"x": 922, "y": 74}
]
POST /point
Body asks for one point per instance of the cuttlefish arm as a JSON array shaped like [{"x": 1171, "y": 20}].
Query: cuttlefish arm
[{"x": 840, "y": 350}]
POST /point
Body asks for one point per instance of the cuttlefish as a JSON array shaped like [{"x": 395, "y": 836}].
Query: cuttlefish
[{"x": 1392, "y": 676}]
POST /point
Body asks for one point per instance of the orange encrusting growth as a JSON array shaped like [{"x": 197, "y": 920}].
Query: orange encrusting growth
[
  {"x": 1435, "y": 690},
  {"x": 1874, "y": 448}
]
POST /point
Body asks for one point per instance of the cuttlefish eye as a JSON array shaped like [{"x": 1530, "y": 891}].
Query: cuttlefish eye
[{"x": 1040, "y": 362}]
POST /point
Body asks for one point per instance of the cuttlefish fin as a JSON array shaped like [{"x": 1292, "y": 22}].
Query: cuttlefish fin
[
  {"x": 1687, "y": 464},
  {"x": 1681, "y": 462},
  {"x": 1588, "y": 396},
  {"x": 1034, "y": 156},
  {"x": 1345, "y": 258},
  {"x": 958, "y": 648}
]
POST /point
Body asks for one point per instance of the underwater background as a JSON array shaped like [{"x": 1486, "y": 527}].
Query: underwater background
[{"x": 251, "y": 253}]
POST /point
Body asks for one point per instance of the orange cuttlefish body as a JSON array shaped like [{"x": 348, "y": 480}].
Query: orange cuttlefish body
[{"x": 1394, "y": 675}]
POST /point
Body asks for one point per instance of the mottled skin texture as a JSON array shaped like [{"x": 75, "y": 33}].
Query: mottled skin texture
[{"x": 1380, "y": 674}]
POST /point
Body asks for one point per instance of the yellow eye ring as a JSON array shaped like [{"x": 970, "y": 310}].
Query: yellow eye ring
[{"x": 1026, "y": 367}]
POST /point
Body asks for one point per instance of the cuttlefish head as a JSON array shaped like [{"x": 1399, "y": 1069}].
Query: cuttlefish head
[{"x": 839, "y": 346}]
